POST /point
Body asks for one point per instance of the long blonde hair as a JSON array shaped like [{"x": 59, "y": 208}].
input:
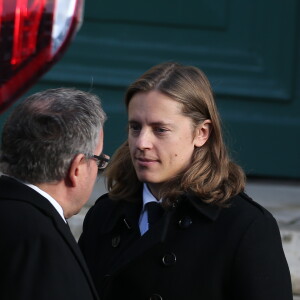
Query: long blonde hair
[{"x": 212, "y": 175}]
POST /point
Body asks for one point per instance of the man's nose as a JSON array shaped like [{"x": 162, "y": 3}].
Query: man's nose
[{"x": 144, "y": 140}]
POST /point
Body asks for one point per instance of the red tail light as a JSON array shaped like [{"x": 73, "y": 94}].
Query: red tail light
[{"x": 33, "y": 35}]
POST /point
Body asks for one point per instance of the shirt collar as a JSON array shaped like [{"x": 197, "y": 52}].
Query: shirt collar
[
  {"x": 49, "y": 198},
  {"x": 148, "y": 196},
  {"x": 209, "y": 210}
]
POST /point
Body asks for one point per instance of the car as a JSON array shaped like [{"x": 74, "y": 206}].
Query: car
[{"x": 34, "y": 34}]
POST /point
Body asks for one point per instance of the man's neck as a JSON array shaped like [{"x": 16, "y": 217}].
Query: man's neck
[{"x": 57, "y": 191}]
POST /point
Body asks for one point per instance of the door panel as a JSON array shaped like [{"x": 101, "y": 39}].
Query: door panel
[{"x": 248, "y": 49}]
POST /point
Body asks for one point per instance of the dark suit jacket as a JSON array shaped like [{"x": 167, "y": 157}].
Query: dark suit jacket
[
  {"x": 39, "y": 258},
  {"x": 197, "y": 251}
]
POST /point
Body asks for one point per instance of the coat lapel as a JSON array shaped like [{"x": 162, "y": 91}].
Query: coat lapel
[
  {"x": 129, "y": 214},
  {"x": 12, "y": 189}
]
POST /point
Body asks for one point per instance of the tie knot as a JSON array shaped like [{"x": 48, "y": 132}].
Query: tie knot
[{"x": 155, "y": 212}]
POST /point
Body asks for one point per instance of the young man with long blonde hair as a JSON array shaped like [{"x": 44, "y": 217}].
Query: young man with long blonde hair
[{"x": 211, "y": 241}]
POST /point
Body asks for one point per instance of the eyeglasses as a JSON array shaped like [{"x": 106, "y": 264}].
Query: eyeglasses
[{"x": 101, "y": 160}]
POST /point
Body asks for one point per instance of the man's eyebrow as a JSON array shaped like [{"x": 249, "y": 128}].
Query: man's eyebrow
[
  {"x": 161, "y": 124},
  {"x": 158, "y": 123}
]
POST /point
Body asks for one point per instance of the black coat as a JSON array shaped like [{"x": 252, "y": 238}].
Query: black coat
[
  {"x": 39, "y": 258},
  {"x": 197, "y": 251}
]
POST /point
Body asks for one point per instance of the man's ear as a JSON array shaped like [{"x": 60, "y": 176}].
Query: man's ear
[
  {"x": 75, "y": 170},
  {"x": 202, "y": 133}
]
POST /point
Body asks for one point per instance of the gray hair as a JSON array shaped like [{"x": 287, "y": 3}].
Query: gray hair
[{"x": 45, "y": 132}]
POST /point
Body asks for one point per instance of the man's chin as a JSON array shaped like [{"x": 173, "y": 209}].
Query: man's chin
[{"x": 145, "y": 179}]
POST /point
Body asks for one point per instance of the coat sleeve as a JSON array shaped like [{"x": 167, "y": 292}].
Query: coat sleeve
[{"x": 260, "y": 270}]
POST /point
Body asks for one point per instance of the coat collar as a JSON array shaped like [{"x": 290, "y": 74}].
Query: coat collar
[
  {"x": 11, "y": 189},
  {"x": 210, "y": 211},
  {"x": 129, "y": 212}
]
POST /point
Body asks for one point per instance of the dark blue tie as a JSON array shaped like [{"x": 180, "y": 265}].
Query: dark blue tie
[{"x": 155, "y": 212}]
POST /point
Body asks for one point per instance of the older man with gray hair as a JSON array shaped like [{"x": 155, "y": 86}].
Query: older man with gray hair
[{"x": 51, "y": 152}]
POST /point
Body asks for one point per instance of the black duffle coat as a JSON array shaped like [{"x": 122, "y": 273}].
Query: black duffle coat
[{"x": 196, "y": 251}]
